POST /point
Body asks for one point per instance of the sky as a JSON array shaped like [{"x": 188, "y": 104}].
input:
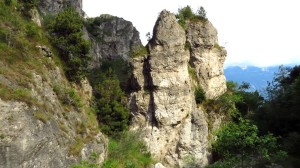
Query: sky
[{"x": 254, "y": 32}]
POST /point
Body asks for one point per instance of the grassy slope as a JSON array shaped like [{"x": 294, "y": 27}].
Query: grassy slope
[{"x": 19, "y": 56}]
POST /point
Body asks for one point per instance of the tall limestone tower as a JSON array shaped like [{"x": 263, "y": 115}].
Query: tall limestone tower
[{"x": 163, "y": 104}]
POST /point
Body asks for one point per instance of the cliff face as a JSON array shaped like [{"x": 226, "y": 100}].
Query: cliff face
[
  {"x": 112, "y": 38},
  {"x": 54, "y": 6},
  {"x": 47, "y": 134},
  {"x": 164, "y": 106},
  {"x": 45, "y": 121},
  {"x": 207, "y": 57}
]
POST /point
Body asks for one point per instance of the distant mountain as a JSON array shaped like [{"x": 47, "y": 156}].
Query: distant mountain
[{"x": 256, "y": 76}]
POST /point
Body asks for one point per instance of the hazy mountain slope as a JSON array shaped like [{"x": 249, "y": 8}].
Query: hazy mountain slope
[{"x": 257, "y": 77}]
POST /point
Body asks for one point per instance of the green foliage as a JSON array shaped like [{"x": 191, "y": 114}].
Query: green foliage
[
  {"x": 186, "y": 14},
  {"x": 187, "y": 46},
  {"x": 76, "y": 147},
  {"x": 202, "y": 13},
  {"x": 192, "y": 72},
  {"x": 92, "y": 25},
  {"x": 199, "y": 95},
  {"x": 120, "y": 68},
  {"x": 90, "y": 163},
  {"x": 8, "y": 2},
  {"x": 67, "y": 36},
  {"x": 27, "y": 6},
  {"x": 111, "y": 102},
  {"x": 280, "y": 113},
  {"x": 41, "y": 116},
  {"x": 32, "y": 31},
  {"x": 128, "y": 152},
  {"x": 242, "y": 142},
  {"x": 226, "y": 104},
  {"x": 19, "y": 94},
  {"x": 68, "y": 96},
  {"x": 138, "y": 52}
]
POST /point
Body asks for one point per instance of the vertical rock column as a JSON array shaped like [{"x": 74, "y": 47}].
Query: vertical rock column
[
  {"x": 164, "y": 103},
  {"x": 207, "y": 57}
]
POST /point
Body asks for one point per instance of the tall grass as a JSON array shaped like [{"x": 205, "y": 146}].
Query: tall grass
[{"x": 127, "y": 152}]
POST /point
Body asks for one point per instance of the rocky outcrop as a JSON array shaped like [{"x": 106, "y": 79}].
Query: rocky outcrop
[
  {"x": 49, "y": 131},
  {"x": 54, "y": 6},
  {"x": 207, "y": 57},
  {"x": 112, "y": 38},
  {"x": 163, "y": 103}
]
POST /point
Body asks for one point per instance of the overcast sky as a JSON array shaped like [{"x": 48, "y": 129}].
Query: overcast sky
[{"x": 254, "y": 32}]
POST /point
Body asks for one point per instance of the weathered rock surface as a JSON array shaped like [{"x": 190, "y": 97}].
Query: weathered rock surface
[
  {"x": 55, "y": 6},
  {"x": 112, "y": 38},
  {"x": 46, "y": 134},
  {"x": 207, "y": 57},
  {"x": 163, "y": 104}
]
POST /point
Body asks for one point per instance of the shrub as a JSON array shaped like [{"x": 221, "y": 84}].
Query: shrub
[
  {"x": 68, "y": 96},
  {"x": 8, "y": 2},
  {"x": 76, "y": 147},
  {"x": 192, "y": 72},
  {"x": 41, "y": 116},
  {"x": 139, "y": 51},
  {"x": 27, "y": 6},
  {"x": 199, "y": 95}
]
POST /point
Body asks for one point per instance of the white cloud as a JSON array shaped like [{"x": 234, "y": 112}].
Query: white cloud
[{"x": 256, "y": 32}]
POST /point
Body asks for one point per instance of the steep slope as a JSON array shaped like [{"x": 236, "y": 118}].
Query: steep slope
[
  {"x": 45, "y": 121},
  {"x": 163, "y": 104}
]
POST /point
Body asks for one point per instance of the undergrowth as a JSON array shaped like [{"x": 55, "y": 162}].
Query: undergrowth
[{"x": 127, "y": 152}]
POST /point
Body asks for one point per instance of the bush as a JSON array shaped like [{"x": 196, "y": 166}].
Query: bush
[
  {"x": 199, "y": 95},
  {"x": 138, "y": 51},
  {"x": 8, "y": 2},
  {"x": 27, "y": 6}
]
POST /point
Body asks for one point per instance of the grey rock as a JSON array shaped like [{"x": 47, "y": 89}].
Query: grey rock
[
  {"x": 159, "y": 165},
  {"x": 207, "y": 57},
  {"x": 42, "y": 135},
  {"x": 112, "y": 38},
  {"x": 163, "y": 104},
  {"x": 45, "y": 51},
  {"x": 51, "y": 7}
]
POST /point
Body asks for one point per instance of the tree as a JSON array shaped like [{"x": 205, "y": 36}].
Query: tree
[
  {"x": 184, "y": 14},
  {"x": 112, "y": 112},
  {"x": 241, "y": 143},
  {"x": 67, "y": 36},
  {"x": 202, "y": 13},
  {"x": 280, "y": 113},
  {"x": 187, "y": 14}
]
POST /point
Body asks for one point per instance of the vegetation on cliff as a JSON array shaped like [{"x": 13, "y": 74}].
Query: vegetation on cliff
[{"x": 186, "y": 14}]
